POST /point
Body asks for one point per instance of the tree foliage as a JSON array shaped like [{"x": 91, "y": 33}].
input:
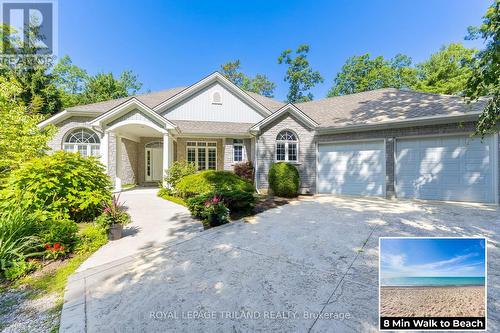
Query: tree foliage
[
  {"x": 485, "y": 77},
  {"x": 31, "y": 70},
  {"x": 446, "y": 71},
  {"x": 71, "y": 81},
  {"x": 259, "y": 84},
  {"x": 20, "y": 137},
  {"x": 299, "y": 75},
  {"x": 363, "y": 73},
  {"x": 102, "y": 87}
]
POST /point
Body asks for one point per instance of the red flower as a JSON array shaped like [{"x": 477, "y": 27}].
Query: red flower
[
  {"x": 46, "y": 246},
  {"x": 56, "y": 246}
]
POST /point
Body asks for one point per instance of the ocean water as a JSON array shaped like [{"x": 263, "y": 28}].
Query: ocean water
[{"x": 433, "y": 281}]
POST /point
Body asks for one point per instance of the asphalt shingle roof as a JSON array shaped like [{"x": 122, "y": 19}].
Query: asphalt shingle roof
[
  {"x": 382, "y": 105},
  {"x": 217, "y": 127}
]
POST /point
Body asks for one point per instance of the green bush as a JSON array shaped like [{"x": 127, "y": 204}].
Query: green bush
[
  {"x": 91, "y": 239},
  {"x": 212, "y": 181},
  {"x": 245, "y": 170},
  {"x": 59, "y": 231},
  {"x": 17, "y": 238},
  {"x": 19, "y": 269},
  {"x": 238, "y": 202},
  {"x": 61, "y": 182},
  {"x": 284, "y": 180},
  {"x": 215, "y": 212},
  {"x": 166, "y": 194},
  {"x": 177, "y": 170},
  {"x": 114, "y": 213}
]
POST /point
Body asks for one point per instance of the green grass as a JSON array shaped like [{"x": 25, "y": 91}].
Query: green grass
[
  {"x": 163, "y": 193},
  {"x": 128, "y": 186}
]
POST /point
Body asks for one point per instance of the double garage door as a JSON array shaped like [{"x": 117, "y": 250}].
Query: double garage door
[{"x": 453, "y": 168}]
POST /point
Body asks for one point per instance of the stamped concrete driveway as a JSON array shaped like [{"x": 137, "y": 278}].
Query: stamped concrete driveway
[
  {"x": 155, "y": 221},
  {"x": 308, "y": 266}
]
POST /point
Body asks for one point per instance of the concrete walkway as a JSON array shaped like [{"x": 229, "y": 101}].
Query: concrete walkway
[
  {"x": 311, "y": 265},
  {"x": 155, "y": 221}
]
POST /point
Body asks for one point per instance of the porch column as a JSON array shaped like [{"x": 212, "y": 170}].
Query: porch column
[
  {"x": 104, "y": 151},
  {"x": 168, "y": 154},
  {"x": 118, "y": 180}
]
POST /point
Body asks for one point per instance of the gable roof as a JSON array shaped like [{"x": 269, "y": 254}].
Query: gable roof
[
  {"x": 288, "y": 108},
  {"x": 386, "y": 105}
]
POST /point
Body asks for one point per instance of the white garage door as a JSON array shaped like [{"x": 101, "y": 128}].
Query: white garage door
[
  {"x": 454, "y": 168},
  {"x": 355, "y": 168}
]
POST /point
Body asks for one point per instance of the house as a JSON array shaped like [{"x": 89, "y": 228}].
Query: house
[{"x": 386, "y": 142}]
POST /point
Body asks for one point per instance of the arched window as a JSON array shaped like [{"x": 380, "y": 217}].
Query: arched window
[
  {"x": 216, "y": 98},
  {"x": 287, "y": 147},
  {"x": 82, "y": 140}
]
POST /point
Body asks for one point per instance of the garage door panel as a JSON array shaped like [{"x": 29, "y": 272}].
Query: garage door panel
[
  {"x": 351, "y": 168},
  {"x": 446, "y": 168}
]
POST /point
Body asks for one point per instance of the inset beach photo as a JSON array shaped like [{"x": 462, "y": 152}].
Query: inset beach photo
[{"x": 433, "y": 277}]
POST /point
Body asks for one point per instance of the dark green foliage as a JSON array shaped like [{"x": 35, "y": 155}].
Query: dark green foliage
[
  {"x": 238, "y": 202},
  {"x": 259, "y": 84},
  {"x": 90, "y": 239},
  {"x": 245, "y": 170},
  {"x": 284, "y": 180},
  {"x": 211, "y": 181},
  {"x": 299, "y": 75},
  {"x": 64, "y": 183}
]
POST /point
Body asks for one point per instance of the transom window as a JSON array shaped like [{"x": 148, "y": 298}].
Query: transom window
[
  {"x": 238, "y": 150},
  {"x": 84, "y": 141},
  {"x": 287, "y": 147},
  {"x": 203, "y": 154}
]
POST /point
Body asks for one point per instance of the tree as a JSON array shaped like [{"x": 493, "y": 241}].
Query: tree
[
  {"x": 446, "y": 71},
  {"x": 485, "y": 77},
  {"x": 70, "y": 80},
  {"x": 20, "y": 137},
  {"x": 259, "y": 84},
  {"x": 102, "y": 87},
  {"x": 31, "y": 71},
  {"x": 362, "y": 73},
  {"x": 300, "y": 75}
]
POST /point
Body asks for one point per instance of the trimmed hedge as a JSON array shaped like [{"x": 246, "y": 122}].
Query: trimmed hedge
[
  {"x": 211, "y": 181},
  {"x": 238, "y": 202},
  {"x": 284, "y": 180}
]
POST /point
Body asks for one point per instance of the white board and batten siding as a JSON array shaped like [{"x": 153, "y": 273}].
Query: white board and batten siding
[
  {"x": 352, "y": 168},
  {"x": 451, "y": 168},
  {"x": 201, "y": 107}
]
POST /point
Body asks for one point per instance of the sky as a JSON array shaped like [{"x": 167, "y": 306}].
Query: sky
[
  {"x": 176, "y": 43},
  {"x": 426, "y": 257}
]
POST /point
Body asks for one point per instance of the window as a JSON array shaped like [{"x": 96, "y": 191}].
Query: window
[
  {"x": 287, "y": 147},
  {"x": 202, "y": 154},
  {"x": 216, "y": 98},
  {"x": 84, "y": 141},
  {"x": 238, "y": 150}
]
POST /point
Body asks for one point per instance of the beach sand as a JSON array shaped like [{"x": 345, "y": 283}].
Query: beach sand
[{"x": 432, "y": 301}]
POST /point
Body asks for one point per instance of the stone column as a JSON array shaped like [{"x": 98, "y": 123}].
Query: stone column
[{"x": 168, "y": 153}]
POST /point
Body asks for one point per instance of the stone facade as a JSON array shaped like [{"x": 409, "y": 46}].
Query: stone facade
[
  {"x": 129, "y": 161},
  {"x": 64, "y": 127},
  {"x": 307, "y": 152}
]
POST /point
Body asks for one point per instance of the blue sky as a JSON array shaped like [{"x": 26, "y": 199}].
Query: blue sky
[
  {"x": 176, "y": 43},
  {"x": 404, "y": 257}
]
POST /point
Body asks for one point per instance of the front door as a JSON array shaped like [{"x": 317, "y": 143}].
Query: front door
[{"x": 154, "y": 164}]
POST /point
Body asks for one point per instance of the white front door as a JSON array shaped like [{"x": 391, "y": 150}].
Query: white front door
[{"x": 154, "y": 164}]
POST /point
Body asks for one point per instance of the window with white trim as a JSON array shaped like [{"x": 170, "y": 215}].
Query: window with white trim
[
  {"x": 238, "y": 150},
  {"x": 287, "y": 147},
  {"x": 84, "y": 141},
  {"x": 202, "y": 154}
]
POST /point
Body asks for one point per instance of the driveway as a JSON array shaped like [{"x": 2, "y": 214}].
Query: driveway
[
  {"x": 155, "y": 221},
  {"x": 311, "y": 265}
]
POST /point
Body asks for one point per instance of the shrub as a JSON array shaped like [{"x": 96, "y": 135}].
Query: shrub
[
  {"x": 215, "y": 212},
  {"x": 19, "y": 269},
  {"x": 166, "y": 194},
  {"x": 177, "y": 170},
  {"x": 245, "y": 170},
  {"x": 284, "y": 179},
  {"x": 113, "y": 213},
  {"x": 17, "y": 240},
  {"x": 91, "y": 239},
  {"x": 59, "y": 232},
  {"x": 212, "y": 181},
  {"x": 238, "y": 202},
  {"x": 61, "y": 182}
]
